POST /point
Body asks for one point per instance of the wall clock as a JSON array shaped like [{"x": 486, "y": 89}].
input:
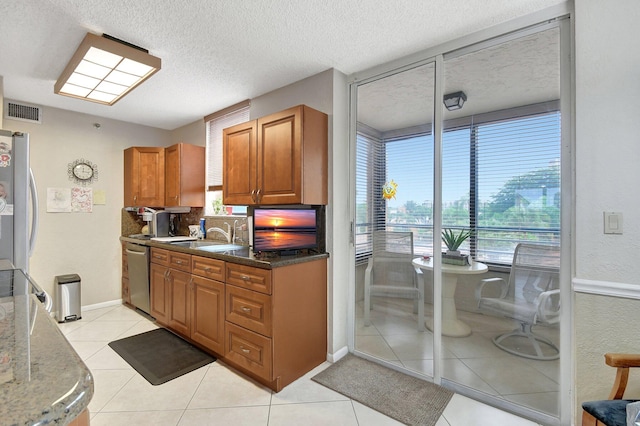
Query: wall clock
[{"x": 82, "y": 171}]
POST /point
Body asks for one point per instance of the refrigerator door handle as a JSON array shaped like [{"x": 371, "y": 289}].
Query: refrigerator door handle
[{"x": 34, "y": 212}]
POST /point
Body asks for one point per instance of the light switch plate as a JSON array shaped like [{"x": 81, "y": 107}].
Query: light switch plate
[{"x": 612, "y": 223}]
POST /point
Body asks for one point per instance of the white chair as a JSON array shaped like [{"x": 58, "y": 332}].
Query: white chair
[
  {"x": 391, "y": 273},
  {"x": 531, "y": 296}
]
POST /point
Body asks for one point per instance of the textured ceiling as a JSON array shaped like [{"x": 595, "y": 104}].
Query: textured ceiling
[
  {"x": 518, "y": 72},
  {"x": 218, "y": 52}
]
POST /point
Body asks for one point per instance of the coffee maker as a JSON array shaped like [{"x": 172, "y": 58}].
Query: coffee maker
[{"x": 160, "y": 223}]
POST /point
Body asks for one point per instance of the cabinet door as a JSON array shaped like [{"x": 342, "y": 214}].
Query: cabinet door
[
  {"x": 207, "y": 313},
  {"x": 239, "y": 164},
  {"x": 159, "y": 292},
  {"x": 179, "y": 312},
  {"x": 184, "y": 175},
  {"x": 172, "y": 175},
  {"x": 279, "y": 178},
  {"x": 144, "y": 176}
]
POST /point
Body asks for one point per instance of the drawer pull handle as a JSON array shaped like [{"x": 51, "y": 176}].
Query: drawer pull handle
[
  {"x": 179, "y": 262},
  {"x": 245, "y": 278},
  {"x": 246, "y": 351},
  {"x": 208, "y": 269},
  {"x": 245, "y": 309}
]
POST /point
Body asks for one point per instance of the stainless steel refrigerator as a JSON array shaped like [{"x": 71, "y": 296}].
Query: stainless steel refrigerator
[{"x": 18, "y": 200}]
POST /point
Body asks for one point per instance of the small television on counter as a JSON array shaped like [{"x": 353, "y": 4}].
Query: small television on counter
[{"x": 284, "y": 229}]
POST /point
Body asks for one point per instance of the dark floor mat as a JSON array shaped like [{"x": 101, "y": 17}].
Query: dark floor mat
[{"x": 160, "y": 356}]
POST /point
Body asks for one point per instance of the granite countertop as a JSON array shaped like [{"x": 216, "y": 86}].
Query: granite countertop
[
  {"x": 42, "y": 379},
  {"x": 242, "y": 255}
]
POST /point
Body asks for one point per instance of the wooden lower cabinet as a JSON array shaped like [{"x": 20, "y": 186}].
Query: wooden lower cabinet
[
  {"x": 159, "y": 292},
  {"x": 126, "y": 296},
  {"x": 269, "y": 323},
  {"x": 207, "y": 314},
  {"x": 189, "y": 303},
  {"x": 276, "y": 337},
  {"x": 180, "y": 302}
]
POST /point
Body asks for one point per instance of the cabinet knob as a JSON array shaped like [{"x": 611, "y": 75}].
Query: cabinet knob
[
  {"x": 208, "y": 269},
  {"x": 245, "y": 309},
  {"x": 245, "y": 278},
  {"x": 178, "y": 261}
]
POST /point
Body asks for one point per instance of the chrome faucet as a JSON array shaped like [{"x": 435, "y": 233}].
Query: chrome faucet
[{"x": 227, "y": 234}]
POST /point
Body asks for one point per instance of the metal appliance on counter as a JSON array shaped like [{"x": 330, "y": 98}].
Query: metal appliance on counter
[{"x": 138, "y": 263}]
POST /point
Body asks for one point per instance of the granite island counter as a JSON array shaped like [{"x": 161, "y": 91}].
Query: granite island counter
[{"x": 42, "y": 379}]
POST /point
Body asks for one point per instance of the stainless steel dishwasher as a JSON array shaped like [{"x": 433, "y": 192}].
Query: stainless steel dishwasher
[{"x": 138, "y": 260}]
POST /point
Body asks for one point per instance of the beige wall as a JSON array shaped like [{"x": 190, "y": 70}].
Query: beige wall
[{"x": 82, "y": 243}]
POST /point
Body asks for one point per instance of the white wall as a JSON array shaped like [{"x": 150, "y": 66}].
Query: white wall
[
  {"x": 82, "y": 243},
  {"x": 607, "y": 174}
]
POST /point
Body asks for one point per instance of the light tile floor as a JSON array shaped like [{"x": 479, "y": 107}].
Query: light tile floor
[
  {"x": 217, "y": 395},
  {"x": 473, "y": 361}
]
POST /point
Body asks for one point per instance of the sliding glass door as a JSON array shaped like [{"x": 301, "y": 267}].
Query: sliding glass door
[
  {"x": 481, "y": 162},
  {"x": 394, "y": 215}
]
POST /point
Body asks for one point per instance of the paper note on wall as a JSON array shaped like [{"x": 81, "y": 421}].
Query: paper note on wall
[
  {"x": 81, "y": 200},
  {"x": 99, "y": 196},
  {"x": 58, "y": 200}
]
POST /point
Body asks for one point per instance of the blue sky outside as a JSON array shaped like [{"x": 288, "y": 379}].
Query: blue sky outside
[{"x": 506, "y": 149}]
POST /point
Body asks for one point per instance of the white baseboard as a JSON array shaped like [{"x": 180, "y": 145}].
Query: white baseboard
[
  {"x": 102, "y": 305},
  {"x": 337, "y": 355}
]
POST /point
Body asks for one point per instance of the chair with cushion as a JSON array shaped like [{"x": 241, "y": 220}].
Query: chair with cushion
[
  {"x": 531, "y": 296},
  {"x": 391, "y": 273},
  {"x": 613, "y": 411}
]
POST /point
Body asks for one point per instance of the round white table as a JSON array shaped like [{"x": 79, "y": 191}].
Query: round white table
[{"x": 451, "y": 325}]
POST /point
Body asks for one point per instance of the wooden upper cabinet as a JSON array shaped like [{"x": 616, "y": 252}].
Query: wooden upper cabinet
[
  {"x": 184, "y": 175},
  {"x": 144, "y": 176},
  {"x": 277, "y": 159},
  {"x": 239, "y": 164}
]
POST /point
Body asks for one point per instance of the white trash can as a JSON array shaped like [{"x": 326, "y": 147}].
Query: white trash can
[{"x": 68, "y": 297}]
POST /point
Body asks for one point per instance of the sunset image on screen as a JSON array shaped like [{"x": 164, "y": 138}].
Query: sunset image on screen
[{"x": 279, "y": 229}]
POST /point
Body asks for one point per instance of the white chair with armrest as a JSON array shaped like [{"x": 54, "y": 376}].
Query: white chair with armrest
[
  {"x": 391, "y": 273},
  {"x": 531, "y": 296}
]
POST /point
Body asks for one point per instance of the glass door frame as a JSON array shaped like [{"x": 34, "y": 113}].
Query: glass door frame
[{"x": 559, "y": 15}]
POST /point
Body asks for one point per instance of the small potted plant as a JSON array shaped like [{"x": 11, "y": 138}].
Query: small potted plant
[{"x": 453, "y": 241}]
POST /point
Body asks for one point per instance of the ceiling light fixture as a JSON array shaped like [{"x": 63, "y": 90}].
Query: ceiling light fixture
[
  {"x": 454, "y": 101},
  {"x": 104, "y": 69}
]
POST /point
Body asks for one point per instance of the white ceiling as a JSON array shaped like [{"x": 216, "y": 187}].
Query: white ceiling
[{"x": 219, "y": 52}]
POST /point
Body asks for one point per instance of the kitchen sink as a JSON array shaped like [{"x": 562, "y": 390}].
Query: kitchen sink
[
  {"x": 221, "y": 247},
  {"x": 211, "y": 246},
  {"x": 195, "y": 244}
]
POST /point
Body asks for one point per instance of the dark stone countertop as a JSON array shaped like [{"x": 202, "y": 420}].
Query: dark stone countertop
[
  {"x": 242, "y": 256},
  {"x": 42, "y": 379}
]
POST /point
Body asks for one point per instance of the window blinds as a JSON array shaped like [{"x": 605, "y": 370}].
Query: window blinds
[{"x": 215, "y": 124}]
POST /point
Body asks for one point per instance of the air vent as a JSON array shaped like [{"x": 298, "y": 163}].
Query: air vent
[{"x": 22, "y": 112}]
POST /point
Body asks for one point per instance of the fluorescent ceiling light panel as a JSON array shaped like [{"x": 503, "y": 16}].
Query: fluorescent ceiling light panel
[{"x": 104, "y": 69}]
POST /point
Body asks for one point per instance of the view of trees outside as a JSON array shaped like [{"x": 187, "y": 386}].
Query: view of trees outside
[{"x": 518, "y": 187}]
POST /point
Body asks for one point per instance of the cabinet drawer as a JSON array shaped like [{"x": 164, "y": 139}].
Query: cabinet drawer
[
  {"x": 208, "y": 268},
  {"x": 249, "y": 309},
  {"x": 249, "y": 350},
  {"x": 248, "y": 277},
  {"x": 180, "y": 261},
  {"x": 160, "y": 256}
]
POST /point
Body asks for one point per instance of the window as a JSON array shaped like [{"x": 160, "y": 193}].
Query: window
[
  {"x": 500, "y": 177},
  {"x": 215, "y": 123}
]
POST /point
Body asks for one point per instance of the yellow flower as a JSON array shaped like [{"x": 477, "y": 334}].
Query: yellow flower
[{"x": 389, "y": 190}]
